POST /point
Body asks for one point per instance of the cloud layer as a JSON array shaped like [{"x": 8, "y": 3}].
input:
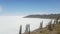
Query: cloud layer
[{"x": 11, "y": 24}]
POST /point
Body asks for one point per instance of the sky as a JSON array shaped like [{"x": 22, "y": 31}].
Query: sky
[
  {"x": 26, "y": 7},
  {"x": 12, "y": 11}
]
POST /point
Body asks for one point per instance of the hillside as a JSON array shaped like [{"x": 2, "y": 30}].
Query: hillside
[
  {"x": 45, "y": 30},
  {"x": 48, "y": 16}
]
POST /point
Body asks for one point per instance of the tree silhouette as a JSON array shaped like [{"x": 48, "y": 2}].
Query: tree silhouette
[
  {"x": 41, "y": 25},
  {"x": 50, "y": 25},
  {"x": 27, "y": 28},
  {"x": 20, "y": 31}
]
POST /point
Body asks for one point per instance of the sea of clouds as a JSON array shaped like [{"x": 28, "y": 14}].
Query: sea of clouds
[{"x": 11, "y": 24}]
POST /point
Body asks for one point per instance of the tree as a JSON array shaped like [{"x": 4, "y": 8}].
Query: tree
[
  {"x": 50, "y": 25},
  {"x": 20, "y": 31},
  {"x": 27, "y": 28},
  {"x": 41, "y": 25}
]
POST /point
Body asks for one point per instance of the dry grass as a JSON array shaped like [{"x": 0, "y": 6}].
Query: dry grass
[{"x": 56, "y": 30}]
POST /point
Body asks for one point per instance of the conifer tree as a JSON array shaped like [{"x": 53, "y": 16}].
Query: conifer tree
[
  {"x": 50, "y": 25},
  {"x": 27, "y": 28},
  {"x": 20, "y": 31},
  {"x": 41, "y": 25}
]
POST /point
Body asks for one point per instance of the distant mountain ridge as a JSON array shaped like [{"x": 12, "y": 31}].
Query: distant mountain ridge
[{"x": 48, "y": 16}]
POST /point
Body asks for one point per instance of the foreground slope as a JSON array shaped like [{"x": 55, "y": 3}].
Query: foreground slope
[{"x": 55, "y": 30}]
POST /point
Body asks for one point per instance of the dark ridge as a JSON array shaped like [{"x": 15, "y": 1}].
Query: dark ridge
[{"x": 49, "y": 16}]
